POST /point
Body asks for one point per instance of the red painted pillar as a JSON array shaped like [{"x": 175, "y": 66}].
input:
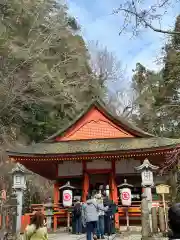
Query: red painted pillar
[
  {"x": 114, "y": 191},
  {"x": 56, "y": 193},
  {"x": 85, "y": 187},
  {"x": 56, "y": 202}
]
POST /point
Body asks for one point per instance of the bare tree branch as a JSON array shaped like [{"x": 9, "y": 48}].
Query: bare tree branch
[
  {"x": 144, "y": 17},
  {"x": 148, "y": 24},
  {"x": 105, "y": 64}
]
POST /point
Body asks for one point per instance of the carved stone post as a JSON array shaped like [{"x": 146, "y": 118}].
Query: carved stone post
[
  {"x": 154, "y": 220},
  {"x": 12, "y": 206},
  {"x": 147, "y": 170},
  {"x": 162, "y": 224},
  {"x": 49, "y": 213},
  {"x": 3, "y": 215},
  {"x": 146, "y": 230}
]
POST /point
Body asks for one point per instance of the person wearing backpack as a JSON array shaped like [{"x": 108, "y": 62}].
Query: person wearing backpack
[
  {"x": 77, "y": 211},
  {"x": 91, "y": 215},
  {"x": 108, "y": 218},
  {"x": 37, "y": 230}
]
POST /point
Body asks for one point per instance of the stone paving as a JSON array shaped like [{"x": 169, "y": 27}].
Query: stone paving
[
  {"x": 134, "y": 234},
  {"x": 123, "y": 235}
]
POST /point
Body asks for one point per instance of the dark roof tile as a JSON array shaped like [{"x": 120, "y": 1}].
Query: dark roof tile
[{"x": 95, "y": 146}]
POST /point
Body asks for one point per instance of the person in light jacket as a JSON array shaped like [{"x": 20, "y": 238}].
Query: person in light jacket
[
  {"x": 90, "y": 215},
  {"x": 37, "y": 230},
  {"x": 174, "y": 221}
]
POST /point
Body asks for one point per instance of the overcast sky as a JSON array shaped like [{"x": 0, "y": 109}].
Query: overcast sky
[{"x": 98, "y": 23}]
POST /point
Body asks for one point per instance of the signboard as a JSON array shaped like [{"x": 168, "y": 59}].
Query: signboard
[
  {"x": 126, "y": 197},
  {"x": 162, "y": 189},
  {"x": 70, "y": 168},
  {"x": 98, "y": 164},
  {"x": 67, "y": 198},
  {"x": 126, "y": 166},
  {"x": 147, "y": 178}
]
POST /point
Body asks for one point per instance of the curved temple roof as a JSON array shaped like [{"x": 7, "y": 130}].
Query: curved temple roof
[
  {"x": 142, "y": 141},
  {"x": 119, "y": 121},
  {"x": 95, "y": 146}
]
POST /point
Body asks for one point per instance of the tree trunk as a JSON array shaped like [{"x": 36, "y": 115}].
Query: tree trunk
[
  {"x": 173, "y": 184},
  {"x": 154, "y": 220}
]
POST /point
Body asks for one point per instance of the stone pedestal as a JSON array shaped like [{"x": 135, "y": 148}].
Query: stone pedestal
[
  {"x": 49, "y": 214},
  {"x": 19, "y": 194}
]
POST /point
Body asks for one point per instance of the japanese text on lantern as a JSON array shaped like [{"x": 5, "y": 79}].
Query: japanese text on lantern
[{"x": 147, "y": 178}]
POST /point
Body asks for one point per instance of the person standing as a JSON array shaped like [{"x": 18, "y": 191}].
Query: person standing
[
  {"x": 108, "y": 215},
  {"x": 77, "y": 211},
  {"x": 90, "y": 217},
  {"x": 37, "y": 230},
  {"x": 174, "y": 221},
  {"x": 100, "y": 223}
]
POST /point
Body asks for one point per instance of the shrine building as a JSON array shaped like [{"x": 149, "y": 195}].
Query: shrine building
[{"x": 97, "y": 148}]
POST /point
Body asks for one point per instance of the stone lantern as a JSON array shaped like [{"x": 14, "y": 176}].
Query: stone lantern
[
  {"x": 19, "y": 177},
  {"x": 147, "y": 170},
  {"x": 147, "y": 183},
  {"x": 19, "y": 185},
  {"x": 49, "y": 212}
]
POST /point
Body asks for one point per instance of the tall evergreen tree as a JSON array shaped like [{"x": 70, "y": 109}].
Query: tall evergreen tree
[
  {"x": 168, "y": 99},
  {"x": 45, "y": 75},
  {"x": 161, "y": 92},
  {"x": 145, "y": 84},
  {"x": 44, "y": 68},
  {"x": 157, "y": 94}
]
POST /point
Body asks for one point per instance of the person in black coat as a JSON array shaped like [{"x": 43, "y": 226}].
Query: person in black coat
[
  {"x": 108, "y": 217},
  {"x": 76, "y": 213},
  {"x": 174, "y": 221}
]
